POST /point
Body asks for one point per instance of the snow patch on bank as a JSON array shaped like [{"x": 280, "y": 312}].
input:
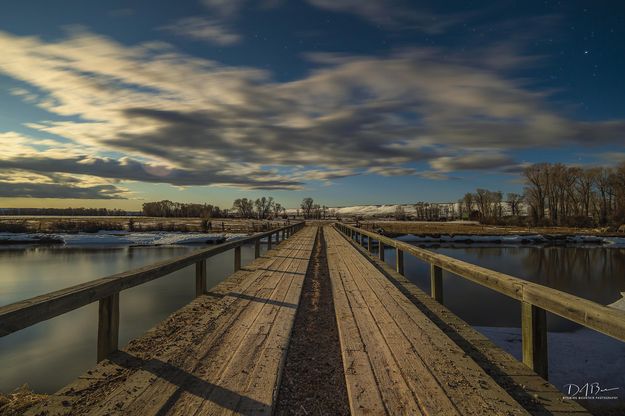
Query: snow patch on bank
[
  {"x": 120, "y": 238},
  {"x": 579, "y": 357}
]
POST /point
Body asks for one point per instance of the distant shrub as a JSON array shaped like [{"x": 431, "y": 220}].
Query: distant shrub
[{"x": 14, "y": 227}]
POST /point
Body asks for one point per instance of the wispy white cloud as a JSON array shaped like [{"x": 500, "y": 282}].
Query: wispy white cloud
[{"x": 204, "y": 29}]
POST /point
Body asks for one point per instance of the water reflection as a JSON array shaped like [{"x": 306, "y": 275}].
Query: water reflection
[
  {"x": 595, "y": 273},
  {"x": 52, "y": 353}
]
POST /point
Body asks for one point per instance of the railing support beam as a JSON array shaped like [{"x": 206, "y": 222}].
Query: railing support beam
[
  {"x": 399, "y": 261},
  {"x": 237, "y": 258},
  {"x": 108, "y": 325},
  {"x": 534, "y": 339},
  {"x": 436, "y": 283},
  {"x": 381, "y": 250},
  {"x": 257, "y": 248},
  {"x": 269, "y": 237},
  {"x": 200, "y": 278}
]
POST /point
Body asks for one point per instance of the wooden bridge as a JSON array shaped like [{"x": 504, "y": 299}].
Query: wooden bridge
[{"x": 403, "y": 352}]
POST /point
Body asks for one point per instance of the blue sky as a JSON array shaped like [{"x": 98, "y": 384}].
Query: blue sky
[{"x": 114, "y": 103}]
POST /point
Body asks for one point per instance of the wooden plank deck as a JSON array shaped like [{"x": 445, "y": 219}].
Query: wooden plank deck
[
  {"x": 397, "y": 361},
  {"x": 535, "y": 394},
  {"x": 221, "y": 354}
]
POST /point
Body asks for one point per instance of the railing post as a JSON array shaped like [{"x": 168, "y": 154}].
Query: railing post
[
  {"x": 269, "y": 237},
  {"x": 369, "y": 243},
  {"x": 399, "y": 261},
  {"x": 436, "y": 283},
  {"x": 237, "y": 258},
  {"x": 200, "y": 278},
  {"x": 108, "y": 325},
  {"x": 381, "y": 250},
  {"x": 534, "y": 339},
  {"x": 257, "y": 248}
]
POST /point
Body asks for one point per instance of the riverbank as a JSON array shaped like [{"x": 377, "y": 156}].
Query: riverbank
[
  {"x": 121, "y": 238},
  {"x": 474, "y": 228},
  {"x": 68, "y": 224}
]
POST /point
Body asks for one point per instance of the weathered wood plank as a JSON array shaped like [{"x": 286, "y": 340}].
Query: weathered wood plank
[
  {"x": 362, "y": 387},
  {"x": 399, "y": 261},
  {"x": 538, "y": 396},
  {"x": 173, "y": 344},
  {"x": 108, "y": 326},
  {"x": 254, "y": 369},
  {"x": 436, "y": 283},
  {"x": 534, "y": 339},
  {"x": 416, "y": 373},
  {"x": 237, "y": 259},
  {"x": 439, "y": 373},
  {"x": 214, "y": 353},
  {"x": 200, "y": 278}
]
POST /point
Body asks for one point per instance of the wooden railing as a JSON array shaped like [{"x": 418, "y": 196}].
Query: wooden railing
[
  {"x": 535, "y": 299},
  {"x": 106, "y": 290}
]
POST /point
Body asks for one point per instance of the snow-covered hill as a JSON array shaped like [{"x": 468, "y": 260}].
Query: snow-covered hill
[{"x": 445, "y": 209}]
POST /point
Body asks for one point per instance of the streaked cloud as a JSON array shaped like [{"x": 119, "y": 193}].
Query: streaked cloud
[
  {"x": 207, "y": 30},
  {"x": 185, "y": 120},
  {"x": 474, "y": 161},
  {"x": 393, "y": 13}
]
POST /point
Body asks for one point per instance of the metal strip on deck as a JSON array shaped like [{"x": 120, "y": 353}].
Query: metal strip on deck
[{"x": 221, "y": 354}]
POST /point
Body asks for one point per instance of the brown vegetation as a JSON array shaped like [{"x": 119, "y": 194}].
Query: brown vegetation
[
  {"x": 138, "y": 224},
  {"x": 453, "y": 228}
]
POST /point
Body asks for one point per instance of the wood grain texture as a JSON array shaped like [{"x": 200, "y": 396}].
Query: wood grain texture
[
  {"x": 536, "y": 395},
  {"x": 419, "y": 370},
  {"x": 222, "y": 351}
]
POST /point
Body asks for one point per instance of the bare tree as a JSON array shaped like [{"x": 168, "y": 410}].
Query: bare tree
[
  {"x": 307, "y": 206},
  {"x": 400, "y": 213},
  {"x": 514, "y": 202},
  {"x": 244, "y": 207}
]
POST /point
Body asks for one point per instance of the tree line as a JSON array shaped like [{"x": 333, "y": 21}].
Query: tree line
[
  {"x": 168, "y": 208},
  {"x": 74, "y": 212},
  {"x": 555, "y": 195},
  {"x": 261, "y": 208}
]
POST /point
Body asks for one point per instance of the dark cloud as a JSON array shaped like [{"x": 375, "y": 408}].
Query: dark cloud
[
  {"x": 476, "y": 161},
  {"x": 128, "y": 169},
  {"x": 58, "y": 190}
]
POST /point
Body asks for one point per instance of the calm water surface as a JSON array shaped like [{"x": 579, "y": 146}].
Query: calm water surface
[
  {"x": 595, "y": 273},
  {"x": 50, "y": 354}
]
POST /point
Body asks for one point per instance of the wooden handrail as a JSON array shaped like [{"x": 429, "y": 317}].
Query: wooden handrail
[
  {"x": 23, "y": 314},
  {"x": 535, "y": 298}
]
